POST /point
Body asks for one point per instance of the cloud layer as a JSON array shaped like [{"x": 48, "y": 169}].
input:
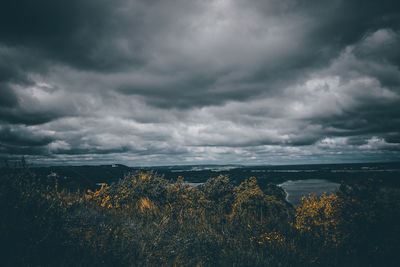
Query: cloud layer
[{"x": 216, "y": 81}]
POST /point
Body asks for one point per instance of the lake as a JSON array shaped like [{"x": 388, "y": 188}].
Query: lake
[{"x": 298, "y": 188}]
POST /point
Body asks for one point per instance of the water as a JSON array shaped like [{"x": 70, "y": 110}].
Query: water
[
  {"x": 314, "y": 178},
  {"x": 296, "y": 189}
]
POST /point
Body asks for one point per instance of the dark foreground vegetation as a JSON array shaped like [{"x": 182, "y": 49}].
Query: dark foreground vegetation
[{"x": 144, "y": 220}]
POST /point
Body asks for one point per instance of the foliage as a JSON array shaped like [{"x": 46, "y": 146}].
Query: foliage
[{"x": 145, "y": 220}]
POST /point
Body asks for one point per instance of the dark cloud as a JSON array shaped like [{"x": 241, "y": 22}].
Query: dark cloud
[
  {"x": 17, "y": 116},
  {"x": 18, "y": 140},
  {"x": 9, "y": 99},
  {"x": 21, "y": 137},
  {"x": 73, "y": 32},
  {"x": 154, "y": 82}
]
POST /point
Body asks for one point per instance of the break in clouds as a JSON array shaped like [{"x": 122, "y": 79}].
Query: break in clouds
[{"x": 181, "y": 82}]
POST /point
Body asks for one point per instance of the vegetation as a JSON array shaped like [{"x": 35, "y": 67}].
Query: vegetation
[{"x": 145, "y": 220}]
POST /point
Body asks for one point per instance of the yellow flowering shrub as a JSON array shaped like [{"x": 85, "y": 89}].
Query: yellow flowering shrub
[
  {"x": 101, "y": 197},
  {"x": 322, "y": 217},
  {"x": 268, "y": 239}
]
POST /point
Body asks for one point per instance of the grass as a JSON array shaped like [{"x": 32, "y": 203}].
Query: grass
[{"x": 143, "y": 220}]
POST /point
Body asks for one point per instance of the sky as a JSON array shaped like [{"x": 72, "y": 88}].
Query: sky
[{"x": 147, "y": 82}]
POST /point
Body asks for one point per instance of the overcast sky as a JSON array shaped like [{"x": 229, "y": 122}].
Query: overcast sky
[{"x": 192, "y": 82}]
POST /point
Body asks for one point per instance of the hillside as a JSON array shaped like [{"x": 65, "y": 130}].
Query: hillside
[{"x": 144, "y": 220}]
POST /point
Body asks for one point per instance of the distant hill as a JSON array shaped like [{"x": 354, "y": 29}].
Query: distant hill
[{"x": 90, "y": 176}]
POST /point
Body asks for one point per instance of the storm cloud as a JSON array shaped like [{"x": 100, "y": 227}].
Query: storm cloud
[{"x": 215, "y": 81}]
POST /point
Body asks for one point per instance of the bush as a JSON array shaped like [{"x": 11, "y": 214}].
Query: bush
[{"x": 143, "y": 220}]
